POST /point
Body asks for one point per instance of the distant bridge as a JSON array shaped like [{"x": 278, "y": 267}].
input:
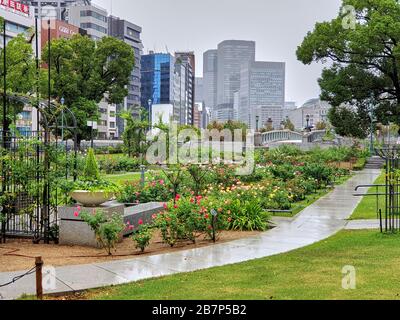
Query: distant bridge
[{"x": 287, "y": 135}]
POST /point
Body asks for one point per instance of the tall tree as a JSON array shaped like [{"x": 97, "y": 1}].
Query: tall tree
[
  {"x": 85, "y": 71},
  {"x": 20, "y": 70},
  {"x": 134, "y": 135},
  {"x": 363, "y": 46}
]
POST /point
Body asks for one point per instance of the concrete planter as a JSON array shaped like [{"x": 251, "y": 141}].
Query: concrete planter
[{"x": 91, "y": 199}]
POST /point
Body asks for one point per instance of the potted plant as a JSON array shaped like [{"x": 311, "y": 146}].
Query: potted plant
[{"x": 91, "y": 190}]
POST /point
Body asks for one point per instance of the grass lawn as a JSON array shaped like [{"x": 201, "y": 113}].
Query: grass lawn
[
  {"x": 314, "y": 272},
  {"x": 120, "y": 179},
  {"x": 112, "y": 156},
  {"x": 367, "y": 207}
]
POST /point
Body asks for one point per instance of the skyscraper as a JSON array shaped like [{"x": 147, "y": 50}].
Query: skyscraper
[
  {"x": 210, "y": 64},
  {"x": 188, "y": 60},
  {"x": 262, "y": 93},
  {"x": 130, "y": 34},
  {"x": 157, "y": 79},
  {"x": 232, "y": 54}
]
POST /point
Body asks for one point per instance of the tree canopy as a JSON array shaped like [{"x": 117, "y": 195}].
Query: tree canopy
[
  {"x": 364, "y": 58},
  {"x": 85, "y": 71},
  {"x": 20, "y": 70}
]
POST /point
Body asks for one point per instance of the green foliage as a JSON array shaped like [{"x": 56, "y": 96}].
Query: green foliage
[
  {"x": 249, "y": 216},
  {"x": 91, "y": 179},
  {"x": 134, "y": 135},
  {"x": 187, "y": 218},
  {"x": 84, "y": 70},
  {"x": 91, "y": 171},
  {"x": 321, "y": 173},
  {"x": 153, "y": 191},
  {"x": 142, "y": 237},
  {"x": 107, "y": 229},
  {"x": 198, "y": 176},
  {"x": 229, "y": 125},
  {"x": 288, "y": 125},
  {"x": 365, "y": 63},
  {"x": 21, "y": 75},
  {"x": 350, "y": 123},
  {"x": 111, "y": 165}
]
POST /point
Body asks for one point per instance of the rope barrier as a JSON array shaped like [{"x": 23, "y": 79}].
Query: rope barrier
[{"x": 15, "y": 279}]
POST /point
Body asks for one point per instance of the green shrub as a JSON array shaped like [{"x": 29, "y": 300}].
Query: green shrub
[
  {"x": 110, "y": 165},
  {"x": 153, "y": 191},
  {"x": 91, "y": 171},
  {"x": 321, "y": 173},
  {"x": 142, "y": 236},
  {"x": 248, "y": 216},
  {"x": 107, "y": 229}
]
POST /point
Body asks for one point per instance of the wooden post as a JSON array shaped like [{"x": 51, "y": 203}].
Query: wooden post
[{"x": 39, "y": 277}]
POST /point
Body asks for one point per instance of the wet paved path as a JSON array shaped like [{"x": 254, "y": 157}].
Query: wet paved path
[{"x": 319, "y": 221}]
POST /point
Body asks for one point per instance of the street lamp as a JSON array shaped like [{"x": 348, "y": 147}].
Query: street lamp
[
  {"x": 372, "y": 130},
  {"x": 257, "y": 122},
  {"x": 270, "y": 123},
  {"x": 62, "y": 118},
  {"x": 308, "y": 123},
  {"x": 93, "y": 125},
  {"x": 150, "y": 111},
  {"x": 389, "y": 114}
]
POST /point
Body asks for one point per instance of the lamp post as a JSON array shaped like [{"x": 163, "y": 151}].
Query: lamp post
[
  {"x": 308, "y": 123},
  {"x": 371, "y": 148},
  {"x": 257, "y": 122},
  {"x": 270, "y": 124},
  {"x": 149, "y": 102},
  {"x": 93, "y": 126},
  {"x": 389, "y": 114},
  {"x": 62, "y": 118}
]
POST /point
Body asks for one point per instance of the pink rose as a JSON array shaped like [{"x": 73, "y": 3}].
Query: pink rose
[
  {"x": 76, "y": 214},
  {"x": 140, "y": 222}
]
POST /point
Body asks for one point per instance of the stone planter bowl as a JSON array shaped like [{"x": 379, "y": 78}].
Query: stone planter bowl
[{"x": 91, "y": 199}]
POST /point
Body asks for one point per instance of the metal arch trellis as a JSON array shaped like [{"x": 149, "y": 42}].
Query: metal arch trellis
[{"x": 32, "y": 166}]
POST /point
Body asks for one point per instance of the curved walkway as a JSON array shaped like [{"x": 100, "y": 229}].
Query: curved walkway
[{"x": 317, "y": 222}]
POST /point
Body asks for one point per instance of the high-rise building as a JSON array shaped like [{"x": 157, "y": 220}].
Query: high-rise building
[
  {"x": 157, "y": 79},
  {"x": 181, "y": 95},
  {"x": 262, "y": 93},
  {"x": 89, "y": 17},
  {"x": 199, "y": 89},
  {"x": 210, "y": 65},
  {"x": 188, "y": 60},
  {"x": 232, "y": 54},
  {"x": 130, "y": 34},
  {"x": 54, "y": 9},
  {"x": 224, "y": 112}
]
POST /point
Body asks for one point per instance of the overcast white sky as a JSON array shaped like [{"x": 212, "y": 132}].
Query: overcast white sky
[{"x": 277, "y": 26}]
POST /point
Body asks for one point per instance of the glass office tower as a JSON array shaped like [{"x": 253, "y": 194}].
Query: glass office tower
[{"x": 157, "y": 83}]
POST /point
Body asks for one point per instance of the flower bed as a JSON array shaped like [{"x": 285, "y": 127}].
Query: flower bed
[{"x": 204, "y": 200}]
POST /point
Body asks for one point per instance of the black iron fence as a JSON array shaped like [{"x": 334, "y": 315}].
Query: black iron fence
[
  {"x": 388, "y": 194},
  {"x": 33, "y": 168}
]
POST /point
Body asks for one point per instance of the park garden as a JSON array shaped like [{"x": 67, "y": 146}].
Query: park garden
[{"x": 201, "y": 204}]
